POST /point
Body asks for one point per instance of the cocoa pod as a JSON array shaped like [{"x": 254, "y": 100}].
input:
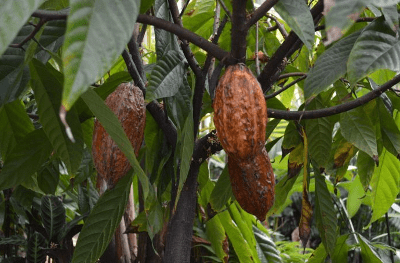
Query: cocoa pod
[
  {"x": 240, "y": 113},
  {"x": 253, "y": 183},
  {"x": 128, "y": 104}
]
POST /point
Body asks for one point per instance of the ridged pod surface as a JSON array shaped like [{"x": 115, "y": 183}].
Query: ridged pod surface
[
  {"x": 240, "y": 113},
  {"x": 253, "y": 183},
  {"x": 111, "y": 164}
]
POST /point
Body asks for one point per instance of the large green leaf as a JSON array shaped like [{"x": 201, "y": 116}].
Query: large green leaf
[
  {"x": 198, "y": 17},
  {"x": 299, "y": 18},
  {"x": 97, "y": 32},
  {"x": 53, "y": 215},
  {"x": 222, "y": 191},
  {"x": 13, "y": 15},
  {"x": 100, "y": 226},
  {"x": 167, "y": 77},
  {"x": 366, "y": 166},
  {"x": 356, "y": 193},
  {"x": 319, "y": 133},
  {"x": 384, "y": 183},
  {"x": 14, "y": 75},
  {"x": 25, "y": 159},
  {"x": 14, "y": 125},
  {"x": 329, "y": 67},
  {"x": 113, "y": 127},
  {"x": 389, "y": 130},
  {"x": 236, "y": 238},
  {"x": 266, "y": 248},
  {"x": 47, "y": 87},
  {"x": 325, "y": 213},
  {"x": 368, "y": 252},
  {"x": 216, "y": 234},
  {"x": 359, "y": 130},
  {"x": 376, "y": 48}
]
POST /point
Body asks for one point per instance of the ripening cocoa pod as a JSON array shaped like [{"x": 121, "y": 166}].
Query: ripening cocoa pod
[
  {"x": 111, "y": 164},
  {"x": 253, "y": 183},
  {"x": 240, "y": 113}
]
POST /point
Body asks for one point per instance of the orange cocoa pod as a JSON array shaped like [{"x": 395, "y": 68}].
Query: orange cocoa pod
[
  {"x": 253, "y": 183},
  {"x": 240, "y": 113},
  {"x": 128, "y": 104}
]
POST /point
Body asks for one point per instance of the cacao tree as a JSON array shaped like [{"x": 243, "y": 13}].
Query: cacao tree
[{"x": 324, "y": 72}]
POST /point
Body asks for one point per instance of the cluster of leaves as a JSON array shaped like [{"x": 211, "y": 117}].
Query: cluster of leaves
[{"x": 74, "y": 64}]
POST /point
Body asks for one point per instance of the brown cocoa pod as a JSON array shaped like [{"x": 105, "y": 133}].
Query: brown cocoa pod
[
  {"x": 253, "y": 183},
  {"x": 240, "y": 113},
  {"x": 128, "y": 104}
]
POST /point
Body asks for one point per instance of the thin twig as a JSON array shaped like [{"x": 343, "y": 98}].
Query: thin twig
[
  {"x": 184, "y": 8},
  {"x": 291, "y": 74},
  {"x": 279, "y": 25},
  {"x": 284, "y": 88},
  {"x": 260, "y": 12},
  {"x": 389, "y": 239},
  {"x": 225, "y": 9},
  {"x": 256, "y": 53},
  {"x": 31, "y": 35}
]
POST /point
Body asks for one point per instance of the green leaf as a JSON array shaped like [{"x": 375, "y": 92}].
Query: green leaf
[
  {"x": 13, "y": 15},
  {"x": 366, "y": 166},
  {"x": 53, "y": 215},
  {"x": 299, "y": 18},
  {"x": 216, "y": 234},
  {"x": 155, "y": 219},
  {"x": 199, "y": 17},
  {"x": 51, "y": 39},
  {"x": 113, "y": 127},
  {"x": 167, "y": 77},
  {"x": 236, "y": 238},
  {"x": 97, "y": 32},
  {"x": 271, "y": 127},
  {"x": 341, "y": 251},
  {"x": 180, "y": 105},
  {"x": 222, "y": 191},
  {"x": 36, "y": 253},
  {"x": 13, "y": 240},
  {"x": 329, "y": 67},
  {"x": 47, "y": 88},
  {"x": 356, "y": 193},
  {"x": 389, "y": 130},
  {"x": 14, "y": 75},
  {"x": 14, "y": 125},
  {"x": 319, "y": 255},
  {"x": 102, "y": 222},
  {"x": 266, "y": 248},
  {"x": 319, "y": 133},
  {"x": 165, "y": 41},
  {"x": 25, "y": 159},
  {"x": 340, "y": 16},
  {"x": 391, "y": 16},
  {"x": 358, "y": 129},
  {"x": 282, "y": 191},
  {"x": 145, "y": 5},
  {"x": 368, "y": 252},
  {"x": 186, "y": 142},
  {"x": 48, "y": 177},
  {"x": 325, "y": 213},
  {"x": 292, "y": 138},
  {"x": 384, "y": 183},
  {"x": 376, "y": 48}
]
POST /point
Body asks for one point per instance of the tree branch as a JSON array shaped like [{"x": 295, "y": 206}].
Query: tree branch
[
  {"x": 51, "y": 15},
  {"x": 260, "y": 12},
  {"x": 313, "y": 114},
  {"x": 31, "y": 35},
  {"x": 284, "y": 88},
  {"x": 238, "y": 31},
  {"x": 184, "y": 33}
]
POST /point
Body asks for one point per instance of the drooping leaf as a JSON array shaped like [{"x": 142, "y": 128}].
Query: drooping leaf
[
  {"x": 295, "y": 161},
  {"x": 47, "y": 87},
  {"x": 366, "y": 166},
  {"x": 36, "y": 253},
  {"x": 25, "y": 159},
  {"x": 216, "y": 234},
  {"x": 340, "y": 254},
  {"x": 266, "y": 248},
  {"x": 53, "y": 215},
  {"x": 292, "y": 138},
  {"x": 97, "y": 32},
  {"x": 329, "y": 67},
  {"x": 383, "y": 51},
  {"x": 180, "y": 104},
  {"x": 102, "y": 222},
  {"x": 319, "y": 132},
  {"x": 113, "y": 127},
  {"x": 167, "y": 77},
  {"x": 384, "y": 183},
  {"x": 359, "y": 130},
  {"x": 155, "y": 219},
  {"x": 48, "y": 177},
  {"x": 222, "y": 191},
  {"x": 13, "y": 15},
  {"x": 368, "y": 252},
  {"x": 341, "y": 153},
  {"x": 319, "y": 255},
  {"x": 389, "y": 130},
  {"x": 299, "y": 18},
  {"x": 14, "y": 75},
  {"x": 14, "y": 125},
  {"x": 236, "y": 238},
  {"x": 356, "y": 193},
  {"x": 325, "y": 213}
]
